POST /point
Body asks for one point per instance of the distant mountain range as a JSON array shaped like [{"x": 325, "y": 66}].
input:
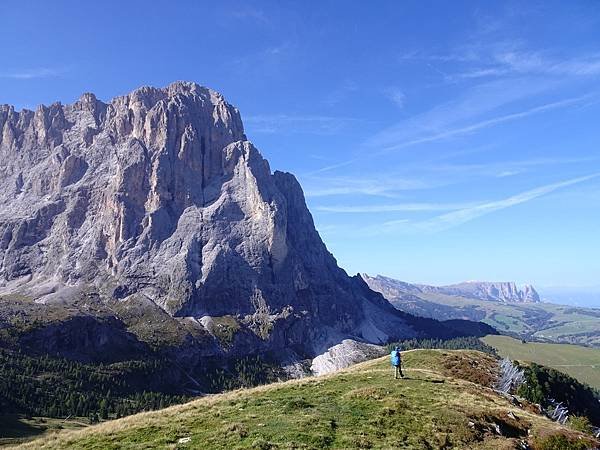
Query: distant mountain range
[
  {"x": 504, "y": 291},
  {"x": 500, "y": 304}
]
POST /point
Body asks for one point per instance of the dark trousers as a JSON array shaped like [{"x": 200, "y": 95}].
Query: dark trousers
[{"x": 398, "y": 371}]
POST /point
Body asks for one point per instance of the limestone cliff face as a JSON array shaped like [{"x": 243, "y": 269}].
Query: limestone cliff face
[
  {"x": 494, "y": 291},
  {"x": 159, "y": 196}
]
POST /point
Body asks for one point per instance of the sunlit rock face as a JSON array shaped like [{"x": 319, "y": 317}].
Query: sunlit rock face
[
  {"x": 504, "y": 291},
  {"x": 157, "y": 196},
  {"x": 507, "y": 292}
]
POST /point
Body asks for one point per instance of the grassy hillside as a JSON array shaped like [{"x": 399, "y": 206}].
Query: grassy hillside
[
  {"x": 444, "y": 402},
  {"x": 582, "y": 363}
]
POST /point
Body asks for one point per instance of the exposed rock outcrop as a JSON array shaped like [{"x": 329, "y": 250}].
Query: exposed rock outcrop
[{"x": 345, "y": 354}]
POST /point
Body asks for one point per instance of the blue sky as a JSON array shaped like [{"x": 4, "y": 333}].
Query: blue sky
[{"x": 436, "y": 141}]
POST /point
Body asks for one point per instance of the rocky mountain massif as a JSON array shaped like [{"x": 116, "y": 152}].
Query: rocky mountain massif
[{"x": 151, "y": 223}]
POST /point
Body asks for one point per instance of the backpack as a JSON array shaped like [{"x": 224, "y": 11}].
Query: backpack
[{"x": 395, "y": 358}]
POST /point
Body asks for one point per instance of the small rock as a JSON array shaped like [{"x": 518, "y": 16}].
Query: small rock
[{"x": 184, "y": 440}]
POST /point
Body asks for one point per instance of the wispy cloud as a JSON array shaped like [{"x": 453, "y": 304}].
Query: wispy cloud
[
  {"x": 500, "y": 169},
  {"x": 426, "y": 174},
  {"x": 507, "y": 173},
  {"x": 461, "y": 113},
  {"x": 399, "y": 207},
  {"x": 492, "y": 54},
  {"x": 467, "y": 110},
  {"x": 510, "y": 58},
  {"x": 246, "y": 14},
  {"x": 480, "y": 73},
  {"x": 455, "y": 218},
  {"x": 384, "y": 186},
  {"x": 396, "y": 96},
  {"x": 29, "y": 74},
  {"x": 284, "y": 123},
  {"x": 334, "y": 166},
  {"x": 468, "y": 114},
  {"x": 464, "y": 213},
  {"x": 452, "y": 132},
  {"x": 523, "y": 62}
]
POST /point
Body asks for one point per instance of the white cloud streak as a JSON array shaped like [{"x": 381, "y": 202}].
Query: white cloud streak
[
  {"x": 452, "y": 119},
  {"x": 496, "y": 58},
  {"x": 455, "y": 218},
  {"x": 513, "y": 62},
  {"x": 283, "y": 123},
  {"x": 467, "y": 129},
  {"x": 249, "y": 14},
  {"x": 29, "y": 74},
  {"x": 421, "y": 177},
  {"x": 399, "y": 207},
  {"x": 452, "y": 219},
  {"x": 388, "y": 186},
  {"x": 500, "y": 169}
]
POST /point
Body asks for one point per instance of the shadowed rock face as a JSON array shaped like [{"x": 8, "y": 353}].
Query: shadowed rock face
[{"x": 157, "y": 195}]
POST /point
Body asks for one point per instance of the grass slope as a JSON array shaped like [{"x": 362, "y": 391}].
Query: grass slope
[
  {"x": 582, "y": 363},
  {"x": 17, "y": 428},
  {"x": 442, "y": 403}
]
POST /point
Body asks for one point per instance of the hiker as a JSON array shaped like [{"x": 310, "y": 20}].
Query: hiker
[{"x": 396, "y": 360}]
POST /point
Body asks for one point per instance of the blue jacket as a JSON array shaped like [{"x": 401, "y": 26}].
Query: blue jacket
[{"x": 395, "y": 358}]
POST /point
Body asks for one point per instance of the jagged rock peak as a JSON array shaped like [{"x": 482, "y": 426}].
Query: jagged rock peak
[{"x": 505, "y": 291}]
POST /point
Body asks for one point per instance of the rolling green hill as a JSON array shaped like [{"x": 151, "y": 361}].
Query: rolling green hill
[
  {"x": 582, "y": 363},
  {"x": 444, "y": 402}
]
